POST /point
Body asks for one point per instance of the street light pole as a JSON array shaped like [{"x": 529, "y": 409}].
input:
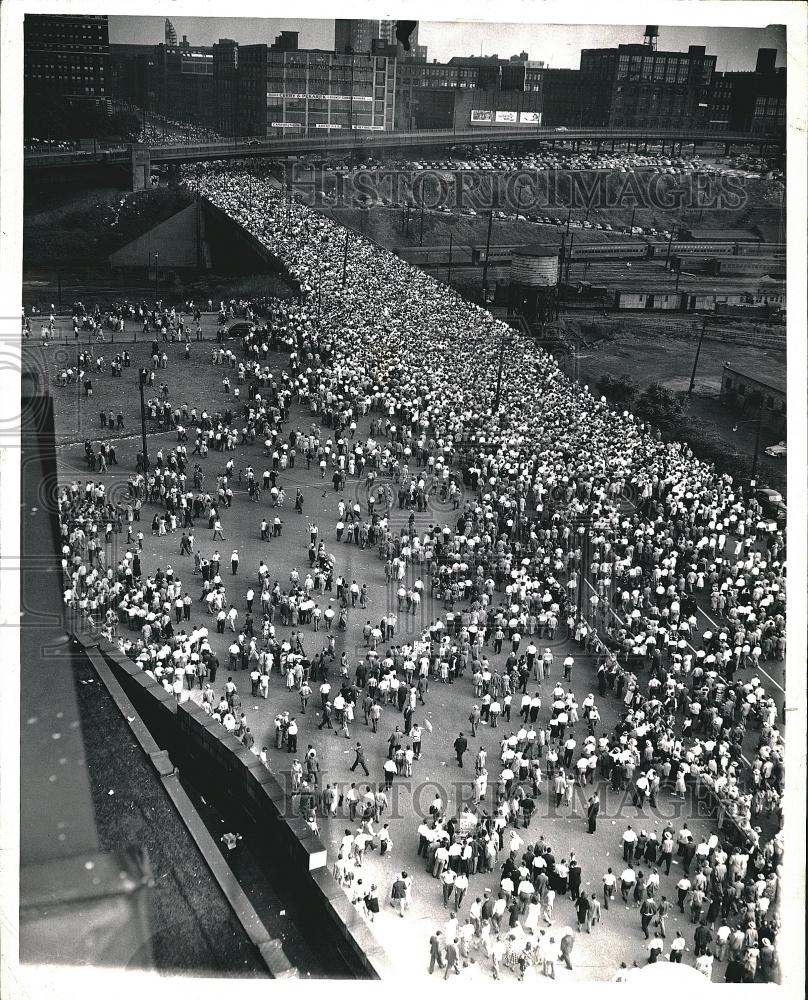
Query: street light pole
[
  {"x": 143, "y": 425},
  {"x": 156, "y": 255},
  {"x": 757, "y": 441},
  {"x": 449, "y": 274},
  {"x": 487, "y": 252},
  {"x": 345, "y": 258},
  {"x": 499, "y": 372}
]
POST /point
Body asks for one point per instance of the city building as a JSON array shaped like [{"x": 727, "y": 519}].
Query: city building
[
  {"x": 369, "y": 82},
  {"x": 468, "y": 90},
  {"x": 264, "y": 90},
  {"x": 386, "y": 34},
  {"x": 66, "y": 55},
  {"x": 183, "y": 81},
  {"x": 650, "y": 87},
  {"x": 133, "y": 80},
  {"x": 572, "y": 100},
  {"x": 227, "y": 113},
  {"x": 632, "y": 85},
  {"x": 354, "y": 35},
  {"x": 750, "y": 101},
  {"x": 171, "y": 34}
]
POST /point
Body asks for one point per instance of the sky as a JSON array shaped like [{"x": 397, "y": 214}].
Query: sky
[{"x": 557, "y": 45}]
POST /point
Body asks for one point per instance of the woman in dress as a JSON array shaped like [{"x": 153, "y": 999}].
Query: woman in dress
[{"x": 372, "y": 902}]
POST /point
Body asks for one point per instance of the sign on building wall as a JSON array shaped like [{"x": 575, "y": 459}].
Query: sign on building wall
[
  {"x": 482, "y": 117},
  {"x": 287, "y": 125},
  {"x": 505, "y": 117},
  {"x": 318, "y": 97},
  {"x": 530, "y": 117},
  {"x": 324, "y": 125}
]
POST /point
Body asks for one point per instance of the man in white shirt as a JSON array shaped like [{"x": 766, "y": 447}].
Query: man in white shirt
[
  {"x": 629, "y": 840},
  {"x": 627, "y": 879}
]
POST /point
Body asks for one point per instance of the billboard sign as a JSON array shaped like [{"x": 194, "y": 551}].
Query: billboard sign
[
  {"x": 322, "y": 125},
  {"x": 482, "y": 117},
  {"x": 286, "y": 125}
]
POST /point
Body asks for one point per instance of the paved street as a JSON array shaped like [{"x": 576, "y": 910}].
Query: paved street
[{"x": 618, "y": 938}]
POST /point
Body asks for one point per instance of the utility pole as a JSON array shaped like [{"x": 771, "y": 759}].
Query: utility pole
[
  {"x": 569, "y": 260},
  {"x": 421, "y": 237},
  {"x": 569, "y": 214},
  {"x": 449, "y": 274},
  {"x": 696, "y": 359},
  {"x": 499, "y": 372},
  {"x": 487, "y": 253},
  {"x": 670, "y": 241},
  {"x": 561, "y": 259}
]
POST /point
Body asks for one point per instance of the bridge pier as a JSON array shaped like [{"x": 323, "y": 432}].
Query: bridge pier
[{"x": 141, "y": 168}]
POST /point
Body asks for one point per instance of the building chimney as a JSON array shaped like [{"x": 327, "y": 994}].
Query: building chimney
[{"x": 766, "y": 59}]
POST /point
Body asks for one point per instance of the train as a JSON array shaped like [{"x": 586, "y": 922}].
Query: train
[{"x": 636, "y": 250}]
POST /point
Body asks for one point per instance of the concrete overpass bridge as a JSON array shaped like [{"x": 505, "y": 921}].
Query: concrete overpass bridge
[{"x": 140, "y": 158}]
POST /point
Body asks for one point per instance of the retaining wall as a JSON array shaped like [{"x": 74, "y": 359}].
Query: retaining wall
[{"x": 235, "y": 778}]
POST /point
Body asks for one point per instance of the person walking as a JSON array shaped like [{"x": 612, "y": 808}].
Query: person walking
[
  {"x": 398, "y": 895},
  {"x": 583, "y": 910},
  {"x": 648, "y": 909},
  {"x": 436, "y": 952},
  {"x": 567, "y": 941},
  {"x": 592, "y": 810},
  {"x": 359, "y": 759},
  {"x": 460, "y": 747},
  {"x": 609, "y": 882}
]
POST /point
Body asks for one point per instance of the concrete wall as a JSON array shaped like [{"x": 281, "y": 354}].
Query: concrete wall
[
  {"x": 234, "y": 776},
  {"x": 180, "y": 244}
]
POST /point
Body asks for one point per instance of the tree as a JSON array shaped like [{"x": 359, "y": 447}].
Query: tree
[
  {"x": 620, "y": 391},
  {"x": 662, "y": 408}
]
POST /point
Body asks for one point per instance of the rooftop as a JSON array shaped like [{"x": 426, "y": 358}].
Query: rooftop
[{"x": 775, "y": 378}]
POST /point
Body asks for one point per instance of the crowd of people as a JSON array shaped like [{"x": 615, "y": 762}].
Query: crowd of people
[{"x": 543, "y": 545}]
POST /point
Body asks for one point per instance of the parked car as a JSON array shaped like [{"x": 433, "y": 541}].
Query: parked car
[{"x": 772, "y": 504}]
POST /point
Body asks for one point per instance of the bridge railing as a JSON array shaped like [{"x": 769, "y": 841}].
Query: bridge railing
[{"x": 247, "y": 146}]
